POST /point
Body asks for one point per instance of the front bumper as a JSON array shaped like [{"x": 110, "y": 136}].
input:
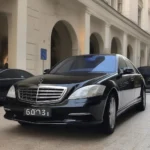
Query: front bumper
[
  {"x": 2, "y": 97},
  {"x": 83, "y": 111},
  {"x": 2, "y": 101}
]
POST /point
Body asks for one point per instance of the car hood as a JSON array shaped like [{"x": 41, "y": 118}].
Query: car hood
[{"x": 63, "y": 79}]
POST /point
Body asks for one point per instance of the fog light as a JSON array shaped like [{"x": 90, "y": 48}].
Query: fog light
[{"x": 7, "y": 109}]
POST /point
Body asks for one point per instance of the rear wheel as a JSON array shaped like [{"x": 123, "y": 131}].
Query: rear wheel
[
  {"x": 109, "y": 123},
  {"x": 142, "y": 105}
]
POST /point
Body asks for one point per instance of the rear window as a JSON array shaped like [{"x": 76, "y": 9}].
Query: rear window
[
  {"x": 24, "y": 74},
  {"x": 15, "y": 74},
  {"x": 9, "y": 74},
  {"x": 144, "y": 70}
]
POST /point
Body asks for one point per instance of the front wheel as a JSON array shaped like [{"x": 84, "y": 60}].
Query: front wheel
[
  {"x": 142, "y": 105},
  {"x": 109, "y": 123}
]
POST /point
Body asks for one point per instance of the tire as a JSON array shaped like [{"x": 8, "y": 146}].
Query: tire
[
  {"x": 109, "y": 123},
  {"x": 142, "y": 105}
]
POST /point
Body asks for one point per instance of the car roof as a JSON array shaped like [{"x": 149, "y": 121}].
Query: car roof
[
  {"x": 2, "y": 70},
  {"x": 97, "y": 55}
]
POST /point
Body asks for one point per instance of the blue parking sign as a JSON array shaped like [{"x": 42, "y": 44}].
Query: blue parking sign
[{"x": 43, "y": 54}]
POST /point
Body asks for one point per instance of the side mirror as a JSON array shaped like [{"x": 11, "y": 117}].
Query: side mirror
[
  {"x": 121, "y": 72},
  {"x": 125, "y": 71},
  {"x": 128, "y": 71},
  {"x": 46, "y": 71}
]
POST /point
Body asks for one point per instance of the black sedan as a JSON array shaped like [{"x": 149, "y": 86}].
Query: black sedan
[
  {"x": 8, "y": 77},
  {"x": 88, "y": 89},
  {"x": 145, "y": 71}
]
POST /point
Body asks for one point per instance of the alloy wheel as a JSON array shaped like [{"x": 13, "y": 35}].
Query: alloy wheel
[{"x": 112, "y": 112}]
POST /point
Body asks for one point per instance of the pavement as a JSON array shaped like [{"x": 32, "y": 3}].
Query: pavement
[{"x": 132, "y": 133}]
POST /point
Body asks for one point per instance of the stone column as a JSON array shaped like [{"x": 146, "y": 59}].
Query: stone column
[
  {"x": 146, "y": 55},
  {"x": 124, "y": 48},
  {"x": 85, "y": 33},
  {"x": 107, "y": 42},
  {"x": 116, "y": 4},
  {"x": 17, "y": 28},
  {"x": 136, "y": 53}
]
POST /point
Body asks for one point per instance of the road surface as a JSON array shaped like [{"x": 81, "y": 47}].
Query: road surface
[{"x": 132, "y": 133}]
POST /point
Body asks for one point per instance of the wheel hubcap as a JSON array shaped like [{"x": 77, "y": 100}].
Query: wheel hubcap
[{"x": 112, "y": 113}]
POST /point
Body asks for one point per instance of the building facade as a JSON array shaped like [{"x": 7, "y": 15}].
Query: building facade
[{"x": 72, "y": 27}]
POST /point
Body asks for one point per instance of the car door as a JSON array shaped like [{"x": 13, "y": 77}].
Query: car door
[
  {"x": 135, "y": 80},
  {"x": 126, "y": 93}
]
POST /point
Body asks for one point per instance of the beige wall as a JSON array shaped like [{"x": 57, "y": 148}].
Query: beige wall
[
  {"x": 30, "y": 25},
  {"x": 145, "y": 16},
  {"x": 42, "y": 16},
  {"x": 133, "y": 11}
]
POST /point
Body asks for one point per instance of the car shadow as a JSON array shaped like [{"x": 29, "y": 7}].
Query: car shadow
[
  {"x": 127, "y": 116},
  {"x": 59, "y": 132},
  {"x": 79, "y": 133}
]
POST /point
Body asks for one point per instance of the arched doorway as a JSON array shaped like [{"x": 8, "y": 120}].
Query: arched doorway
[
  {"x": 115, "y": 46},
  {"x": 63, "y": 42},
  {"x": 130, "y": 52},
  {"x": 142, "y": 59},
  {"x": 96, "y": 43},
  {"x": 3, "y": 41}
]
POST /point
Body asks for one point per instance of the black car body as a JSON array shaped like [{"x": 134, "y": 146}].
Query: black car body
[
  {"x": 145, "y": 71},
  {"x": 8, "y": 77},
  {"x": 89, "y": 89}
]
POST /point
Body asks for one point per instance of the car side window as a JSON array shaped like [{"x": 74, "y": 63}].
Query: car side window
[
  {"x": 9, "y": 74},
  {"x": 122, "y": 64},
  {"x": 24, "y": 74},
  {"x": 129, "y": 64}
]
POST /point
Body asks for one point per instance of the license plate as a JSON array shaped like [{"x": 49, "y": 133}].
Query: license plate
[{"x": 37, "y": 112}]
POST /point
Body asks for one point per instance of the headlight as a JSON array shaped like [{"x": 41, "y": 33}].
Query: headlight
[
  {"x": 88, "y": 91},
  {"x": 11, "y": 93}
]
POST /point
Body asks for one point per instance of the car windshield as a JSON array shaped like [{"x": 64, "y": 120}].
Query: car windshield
[{"x": 86, "y": 64}]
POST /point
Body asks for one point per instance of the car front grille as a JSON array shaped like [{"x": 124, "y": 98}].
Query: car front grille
[{"x": 42, "y": 94}]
